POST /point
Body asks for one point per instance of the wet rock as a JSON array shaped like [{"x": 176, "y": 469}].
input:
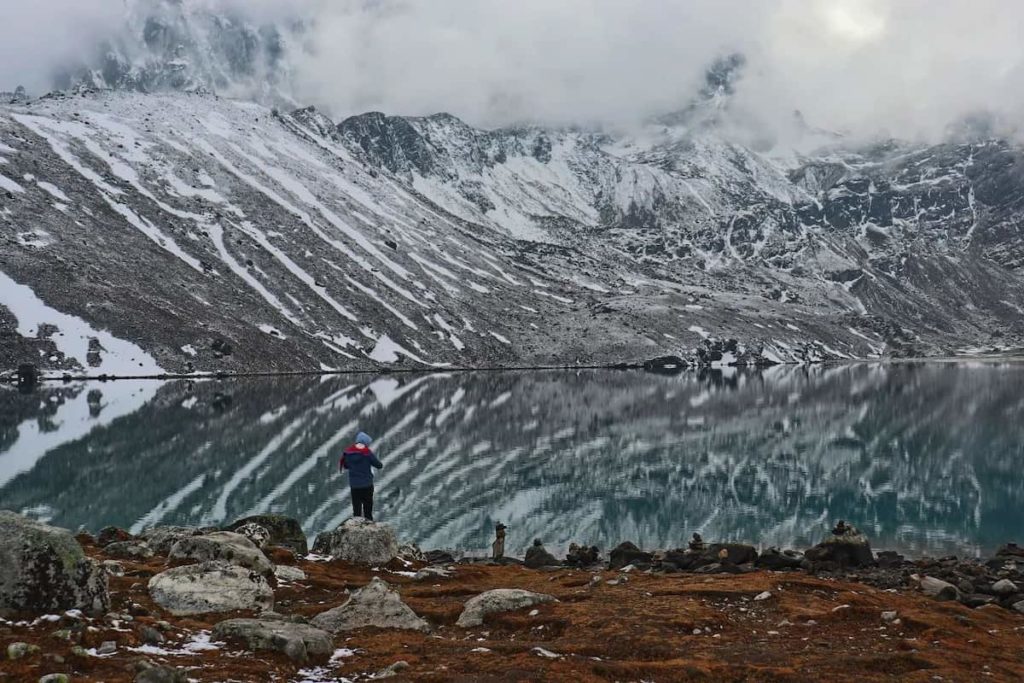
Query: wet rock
[
  {"x": 777, "y": 560},
  {"x": 129, "y": 550},
  {"x": 937, "y": 588},
  {"x": 210, "y": 587},
  {"x": 537, "y": 556},
  {"x": 582, "y": 556},
  {"x": 291, "y": 574},
  {"x": 21, "y": 650},
  {"x": 43, "y": 568},
  {"x": 845, "y": 547},
  {"x": 300, "y": 642},
  {"x": 161, "y": 538},
  {"x": 627, "y": 553},
  {"x": 375, "y": 604},
  {"x": 223, "y": 545},
  {"x": 359, "y": 541},
  {"x": 259, "y": 535},
  {"x": 285, "y": 532},
  {"x": 1004, "y": 587},
  {"x": 112, "y": 534},
  {"x": 498, "y": 600}
]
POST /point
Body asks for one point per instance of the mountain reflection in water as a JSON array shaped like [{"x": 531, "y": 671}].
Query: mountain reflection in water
[{"x": 926, "y": 458}]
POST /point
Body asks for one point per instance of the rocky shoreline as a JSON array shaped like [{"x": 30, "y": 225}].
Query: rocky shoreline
[{"x": 251, "y": 602}]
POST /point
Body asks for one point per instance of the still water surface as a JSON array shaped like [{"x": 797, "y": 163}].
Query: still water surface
[{"x": 927, "y": 458}]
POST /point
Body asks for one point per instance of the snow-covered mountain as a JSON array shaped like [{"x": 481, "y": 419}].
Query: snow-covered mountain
[{"x": 148, "y": 223}]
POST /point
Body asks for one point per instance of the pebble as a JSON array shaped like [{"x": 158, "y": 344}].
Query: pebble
[
  {"x": 108, "y": 647},
  {"x": 55, "y": 678},
  {"x": 889, "y": 617},
  {"x": 19, "y": 650},
  {"x": 766, "y": 595},
  {"x": 534, "y": 612},
  {"x": 1004, "y": 587}
]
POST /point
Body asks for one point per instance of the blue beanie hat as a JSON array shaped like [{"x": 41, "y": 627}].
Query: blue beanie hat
[{"x": 363, "y": 438}]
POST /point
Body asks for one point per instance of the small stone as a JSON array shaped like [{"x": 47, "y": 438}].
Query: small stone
[
  {"x": 1019, "y": 606},
  {"x": 392, "y": 670},
  {"x": 287, "y": 573},
  {"x": 1004, "y": 587},
  {"x": 19, "y": 650},
  {"x": 764, "y": 595},
  {"x": 108, "y": 647},
  {"x": 79, "y": 651},
  {"x": 937, "y": 588},
  {"x": 161, "y": 674},
  {"x": 889, "y": 616},
  {"x": 113, "y": 567}
]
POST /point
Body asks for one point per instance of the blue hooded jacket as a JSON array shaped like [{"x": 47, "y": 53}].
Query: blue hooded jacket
[{"x": 358, "y": 459}]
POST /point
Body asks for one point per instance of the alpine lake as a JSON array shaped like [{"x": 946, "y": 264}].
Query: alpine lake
[{"x": 927, "y": 458}]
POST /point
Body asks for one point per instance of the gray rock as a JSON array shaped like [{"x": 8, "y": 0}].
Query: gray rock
[
  {"x": 375, "y": 604},
  {"x": 890, "y": 616},
  {"x": 223, "y": 545},
  {"x": 359, "y": 541},
  {"x": 1004, "y": 587},
  {"x": 627, "y": 553},
  {"x": 151, "y": 636},
  {"x": 410, "y": 552},
  {"x": 284, "y": 572},
  {"x": 43, "y": 569},
  {"x": 582, "y": 556},
  {"x": 113, "y": 567},
  {"x": 975, "y": 600},
  {"x": 111, "y": 534},
  {"x": 431, "y": 573},
  {"x": 285, "y": 532},
  {"x": 498, "y": 600},
  {"x": 210, "y": 587},
  {"x": 129, "y": 550},
  {"x": 108, "y": 647},
  {"x": 161, "y": 674},
  {"x": 256, "y": 533},
  {"x": 300, "y": 642},
  {"x": 161, "y": 538},
  {"x": 1019, "y": 606},
  {"x": 937, "y": 588}
]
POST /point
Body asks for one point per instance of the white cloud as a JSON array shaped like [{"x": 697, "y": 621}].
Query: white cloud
[{"x": 907, "y": 67}]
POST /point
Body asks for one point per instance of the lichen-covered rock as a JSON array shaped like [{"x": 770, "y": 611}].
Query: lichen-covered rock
[
  {"x": 498, "y": 600},
  {"x": 300, "y": 642},
  {"x": 285, "y": 532},
  {"x": 259, "y": 535},
  {"x": 375, "y": 604},
  {"x": 20, "y": 650},
  {"x": 284, "y": 572},
  {"x": 210, "y": 587},
  {"x": 129, "y": 550},
  {"x": 222, "y": 545},
  {"x": 359, "y": 541},
  {"x": 43, "y": 568},
  {"x": 161, "y": 538}
]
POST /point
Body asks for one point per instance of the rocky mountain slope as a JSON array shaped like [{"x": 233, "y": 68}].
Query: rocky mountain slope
[{"x": 148, "y": 225}]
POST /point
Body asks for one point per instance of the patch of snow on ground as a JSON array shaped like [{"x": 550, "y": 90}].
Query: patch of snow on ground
[
  {"x": 119, "y": 358},
  {"x": 9, "y": 185},
  {"x": 53, "y": 191},
  {"x": 699, "y": 330}
]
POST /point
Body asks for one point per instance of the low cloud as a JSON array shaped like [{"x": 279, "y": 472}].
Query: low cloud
[{"x": 907, "y": 68}]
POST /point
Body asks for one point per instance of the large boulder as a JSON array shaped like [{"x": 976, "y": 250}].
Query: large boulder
[
  {"x": 210, "y": 587},
  {"x": 44, "y": 569},
  {"x": 626, "y": 554},
  {"x": 161, "y": 538},
  {"x": 222, "y": 545},
  {"x": 301, "y": 642},
  {"x": 537, "y": 557},
  {"x": 844, "y": 547},
  {"x": 359, "y": 541},
  {"x": 375, "y": 604},
  {"x": 285, "y": 532},
  {"x": 498, "y": 600}
]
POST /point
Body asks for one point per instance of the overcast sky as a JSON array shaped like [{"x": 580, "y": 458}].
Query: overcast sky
[{"x": 905, "y": 67}]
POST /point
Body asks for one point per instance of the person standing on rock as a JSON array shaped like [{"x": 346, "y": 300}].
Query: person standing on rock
[{"x": 359, "y": 460}]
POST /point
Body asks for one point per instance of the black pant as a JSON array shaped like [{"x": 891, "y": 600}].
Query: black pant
[{"x": 362, "y": 502}]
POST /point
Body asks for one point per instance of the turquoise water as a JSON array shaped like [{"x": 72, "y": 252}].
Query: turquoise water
[{"x": 926, "y": 458}]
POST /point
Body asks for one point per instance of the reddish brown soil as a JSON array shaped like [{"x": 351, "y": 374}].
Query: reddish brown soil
[{"x": 645, "y": 629}]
